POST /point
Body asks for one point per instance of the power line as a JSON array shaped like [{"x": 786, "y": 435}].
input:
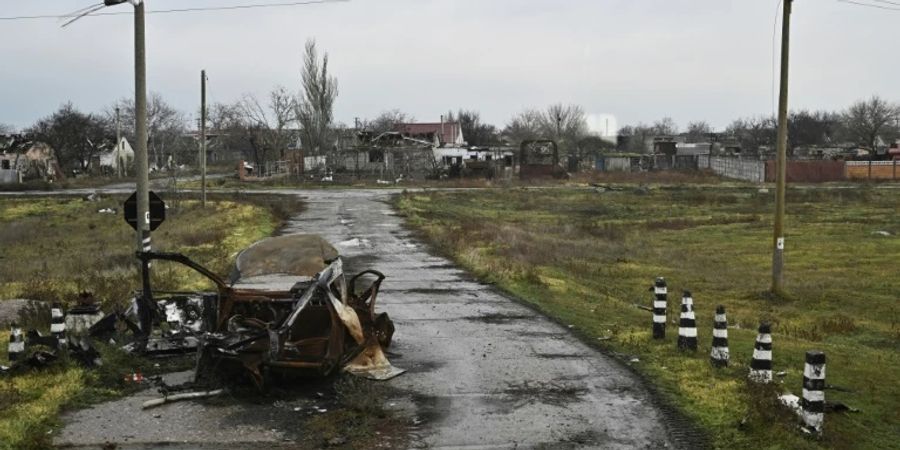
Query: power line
[
  {"x": 180, "y": 10},
  {"x": 889, "y": 2},
  {"x": 870, "y": 5}
]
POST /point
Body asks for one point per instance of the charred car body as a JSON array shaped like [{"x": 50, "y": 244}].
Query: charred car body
[{"x": 321, "y": 322}]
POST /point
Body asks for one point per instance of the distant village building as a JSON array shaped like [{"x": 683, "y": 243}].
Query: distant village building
[
  {"x": 118, "y": 159},
  {"x": 22, "y": 159}
]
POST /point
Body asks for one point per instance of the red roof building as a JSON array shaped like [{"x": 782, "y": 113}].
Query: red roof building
[{"x": 441, "y": 133}]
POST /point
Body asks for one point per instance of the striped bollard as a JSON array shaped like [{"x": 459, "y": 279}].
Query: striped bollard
[
  {"x": 58, "y": 325},
  {"x": 16, "y": 348},
  {"x": 687, "y": 325},
  {"x": 719, "y": 354},
  {"x": 660, "y": 299},
  {"x": 761, "y": 364},
  {"x": 146, "y": 245},
  {"x": 812, "y": 403}
]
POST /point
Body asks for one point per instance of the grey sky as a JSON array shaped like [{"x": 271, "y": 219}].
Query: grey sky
[{"x": 637, "y": 59}]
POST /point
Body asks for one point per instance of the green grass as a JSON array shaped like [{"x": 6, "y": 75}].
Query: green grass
[
  {"x": 53, "y": 248},
  {"x": 585, "y": 257}
]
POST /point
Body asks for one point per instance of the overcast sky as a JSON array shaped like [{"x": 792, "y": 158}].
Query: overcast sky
[{"x": 638, "y": 60}]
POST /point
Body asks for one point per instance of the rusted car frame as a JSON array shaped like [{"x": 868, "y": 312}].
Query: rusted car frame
[{"x": 322, "y": 324}]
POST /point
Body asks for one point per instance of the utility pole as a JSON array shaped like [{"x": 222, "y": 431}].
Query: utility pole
[
  {"x": 119, "y": 161},
  {"x": 203, "y": 138},
  {"x": 142, "y": 167},
  {"x": 140, "y": 126},
  {"x": 781, "y": 161}
]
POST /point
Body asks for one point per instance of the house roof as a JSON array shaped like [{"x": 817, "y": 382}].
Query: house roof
[{"x": 449, "y": 134}]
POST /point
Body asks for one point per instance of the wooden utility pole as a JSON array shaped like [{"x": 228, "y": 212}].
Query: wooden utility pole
[
  {"x": 203, "y": 138},
  {"x": 781, "y": 161}
]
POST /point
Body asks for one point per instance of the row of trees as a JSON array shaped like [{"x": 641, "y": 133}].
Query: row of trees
[
  {"x": 258, "y": 129},
  {"x": 79, "y": 137},
  {"x": 868, "y": 123}
]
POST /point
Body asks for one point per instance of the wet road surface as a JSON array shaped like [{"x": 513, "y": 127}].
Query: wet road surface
[{"x": 483, "y": 370}]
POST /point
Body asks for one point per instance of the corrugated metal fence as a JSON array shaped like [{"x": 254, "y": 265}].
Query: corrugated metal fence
[
  {"x": 741, "y": 169},
  {"x": 756, "y": 171}
]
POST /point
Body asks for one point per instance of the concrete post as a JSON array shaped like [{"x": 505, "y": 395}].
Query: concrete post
[
  {"x": 719, "y": 355},
  {"x": 58, "y": 325},
  {"x": 812, "y": 402},
  {"x": 761, "y": 364},
  {"x": 687, "y": 325},
  {"x": 16, "y": 347},
  {"x": 660, "y": 294}
]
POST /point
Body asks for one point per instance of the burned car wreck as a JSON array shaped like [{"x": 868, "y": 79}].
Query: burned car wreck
[{"x": 316, "y": 321}]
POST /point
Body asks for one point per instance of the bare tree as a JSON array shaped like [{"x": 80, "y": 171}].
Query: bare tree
[
  {"x": 76, "y": 138},
  {"x": 565, "y": 123},
  {"x": 867, "y": 120},
  {"x": 315, "y": 107},
  {"x": 474, "y": 131},
  {"x": 386, "y": 121},
  {"x": 698, "y": 131},
  {"x": 166, "y": 129},
  {"x": 754, "y": 132},
  {"x": 811, "y": 128},
  {"x": 665, "y": 127},
  {"x": 524, "y": 126},
  {"x": 266, "y": 128}
]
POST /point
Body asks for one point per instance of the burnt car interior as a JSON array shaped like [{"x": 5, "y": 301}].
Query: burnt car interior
[{"x": 322, "y": 323}]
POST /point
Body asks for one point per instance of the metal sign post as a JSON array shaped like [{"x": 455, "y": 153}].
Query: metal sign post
[{"x": 151, "y": 220}]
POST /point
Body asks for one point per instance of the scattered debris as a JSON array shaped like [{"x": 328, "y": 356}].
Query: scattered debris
[
  {"x": 882, "y": 233},
  {"x": 326, "y": 322},
  {"x": 36, "y": 360},
  {"x": 84, "y": 352},
  {"x": 178, "y": 397},
  {"x": 107, "y": 211}
]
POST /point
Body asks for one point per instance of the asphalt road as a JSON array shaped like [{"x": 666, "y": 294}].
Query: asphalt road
[{"x": 483, "y": 370}]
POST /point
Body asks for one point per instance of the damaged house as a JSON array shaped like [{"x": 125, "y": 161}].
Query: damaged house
[
  {"x": 389, "y": 155},
  {"x": 118, "y": 159},
  {"x": 22, "y": 159},
  {"x": 440, "y": 134}
]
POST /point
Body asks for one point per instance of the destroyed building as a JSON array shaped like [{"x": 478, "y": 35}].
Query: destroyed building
[{"x": 23, "y": 159}]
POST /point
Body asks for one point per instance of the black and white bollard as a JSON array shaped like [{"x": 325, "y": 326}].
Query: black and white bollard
[
  {"x": 660, "y": 300},
  {"x": 761, "y": 364},
  {"x": 58, "y": 325},
  {"x": 16, "y": 348},
  {"x": 719, "y": 354},
  {"x": 687, "y": 324},
  {"x": 812, "y": 403}
]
